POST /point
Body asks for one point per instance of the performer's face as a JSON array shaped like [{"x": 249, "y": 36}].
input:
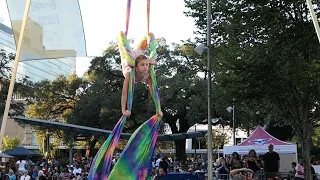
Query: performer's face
[{"x": 142, "y": 66}]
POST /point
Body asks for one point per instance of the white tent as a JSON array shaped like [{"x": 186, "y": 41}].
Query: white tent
[{"x": 259, "y": 140}]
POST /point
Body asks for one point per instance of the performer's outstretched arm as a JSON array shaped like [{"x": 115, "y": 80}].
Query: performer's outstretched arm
[{"x": 124, "y": 95}]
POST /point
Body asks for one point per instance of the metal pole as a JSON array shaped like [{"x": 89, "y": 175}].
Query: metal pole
[
  {"x": 195, "y": 144},
  {"x": 14, "y": 72},
  {"x": 70, "y": 148},
  {"x": 314, "y": 18},
  {"x": 233, "y": 126},
  {"x": 210, "y": 169},
  {"x": 199, "y": 145}
]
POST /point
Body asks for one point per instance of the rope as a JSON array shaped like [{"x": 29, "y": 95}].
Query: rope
[
  {"x": 148, "y": 16},
  {"x": 128, "y": 16}
]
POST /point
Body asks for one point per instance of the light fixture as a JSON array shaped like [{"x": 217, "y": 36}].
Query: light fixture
[
  {"x": 200, "y": 48},
  {"x": 229, "y": 109}
]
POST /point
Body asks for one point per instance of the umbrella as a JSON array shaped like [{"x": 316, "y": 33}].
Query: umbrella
[
  {"x": 3, "y": 155},
  {"x": 20, "y": 151}
]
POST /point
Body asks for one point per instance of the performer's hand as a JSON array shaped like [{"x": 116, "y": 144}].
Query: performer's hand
[{"x": 126, "y": 113}]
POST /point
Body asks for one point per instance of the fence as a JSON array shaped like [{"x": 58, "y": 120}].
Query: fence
[{"x": 282, "y": 176}]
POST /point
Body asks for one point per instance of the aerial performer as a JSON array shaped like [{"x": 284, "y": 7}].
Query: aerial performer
[
  {"x": 141, "y": 67},
  {"x": 135, "y": 160}
]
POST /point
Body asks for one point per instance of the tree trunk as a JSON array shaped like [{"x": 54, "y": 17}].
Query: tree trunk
[
  {"x": 306, "y": 143},
  {"x": 181, "y": 150}
]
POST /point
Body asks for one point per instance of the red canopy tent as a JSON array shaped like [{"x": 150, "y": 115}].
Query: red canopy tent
[{"x": 259, "y": 141}]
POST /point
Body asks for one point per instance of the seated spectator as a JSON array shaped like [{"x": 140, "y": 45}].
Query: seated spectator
[
  {"x": 11, "y": 175},
  {"x": 25, "y": 176},
  {"x": 161, "y": 173}
]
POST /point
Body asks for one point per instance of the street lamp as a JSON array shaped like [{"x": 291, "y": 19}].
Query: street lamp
[
  {"x": 229, "y": 109},
  {"x": 200, "y": 49}
]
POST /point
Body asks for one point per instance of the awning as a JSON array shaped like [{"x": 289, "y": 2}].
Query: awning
[{"x": 100, "y": 132}]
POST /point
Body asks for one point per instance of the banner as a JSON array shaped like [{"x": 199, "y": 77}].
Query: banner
[{"x": 53, "y": 30}]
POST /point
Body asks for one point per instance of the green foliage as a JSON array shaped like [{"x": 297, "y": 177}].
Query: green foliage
[
  {"x": 218, "y": 139},
  {"x": 267, "y": 58},
  {"x": 10, "y": 143},
  {"x": 23, "y": 87},
  {"x": 40, "y": 136},
  {"x": 99, "y": 105},
  {"x": 55, "y": 99},
  {"x": 182, "y": 92}
]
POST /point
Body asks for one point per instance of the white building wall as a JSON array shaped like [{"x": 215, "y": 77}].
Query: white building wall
[{"x": 226, "y": 129}]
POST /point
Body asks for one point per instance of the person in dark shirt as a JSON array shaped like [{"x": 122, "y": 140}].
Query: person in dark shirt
[
  {"x": 253, "y": 163},
  {"x": 3, "y": 173},
  {"x": 223, "y": 171},
  {"x": 271, "y": 163},
  {"x": 235, "y": 161},
  {"x": 164, "y": 165},
  {"x": 161, "y": 173}
]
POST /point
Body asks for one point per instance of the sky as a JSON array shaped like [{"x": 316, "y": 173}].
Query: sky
[{"x": 104, "y": 19}]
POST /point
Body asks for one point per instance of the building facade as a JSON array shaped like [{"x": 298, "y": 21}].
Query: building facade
[
  {"x": 198, "y": 146},
  {"x": 36, "y": 70}
]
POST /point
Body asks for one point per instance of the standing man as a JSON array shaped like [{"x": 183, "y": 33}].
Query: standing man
[{"x": 271, "y": 163}]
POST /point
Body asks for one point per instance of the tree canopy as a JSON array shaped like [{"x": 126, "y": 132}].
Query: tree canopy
[
  {"x": 23, "y": 87},
  {"x": 267, "y": 58}
]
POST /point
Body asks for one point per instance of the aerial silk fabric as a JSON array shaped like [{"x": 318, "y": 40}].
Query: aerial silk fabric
[
  {"x": 101, "y": 164},
  {"x": 135, "y": 161}
]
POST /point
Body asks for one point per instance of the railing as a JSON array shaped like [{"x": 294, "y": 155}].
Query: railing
[{"x": 261, "y": 176}]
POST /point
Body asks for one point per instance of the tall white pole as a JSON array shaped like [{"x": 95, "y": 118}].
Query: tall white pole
[
  {"x": 14, "y": 72},
  {"x": 210, "y": 169},
  {"x": 195, "y": 140},
  {"x": 314, "y": 18},
  {"x": 233, "y": 126}
]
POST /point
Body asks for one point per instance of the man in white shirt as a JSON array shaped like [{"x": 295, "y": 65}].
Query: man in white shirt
[
  {"x": 77, "y": 170},
  {"x": 21, "y": 165}
]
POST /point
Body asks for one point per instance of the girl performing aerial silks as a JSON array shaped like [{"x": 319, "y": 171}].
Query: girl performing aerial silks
[
  {"x": 135, "y": 160},
  {"x": 141, "y": 72}
]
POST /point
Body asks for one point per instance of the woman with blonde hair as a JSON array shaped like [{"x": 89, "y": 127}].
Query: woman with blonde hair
[{"x": 11, "y": 175}]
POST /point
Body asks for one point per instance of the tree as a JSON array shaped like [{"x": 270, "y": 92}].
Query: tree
[
  {"x": 269, "y": 55},
  {"x": 54, "y": 101},
  {"x": 99, "y": 105},
  {"x": 10, "y": 143},
  {"x": 181, "y": 92},
  {"x": 218, "y": 139},
  {"x": 23, "y": 87}
]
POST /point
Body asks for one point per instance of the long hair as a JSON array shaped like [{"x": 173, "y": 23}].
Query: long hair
[{"x": 252, "y": 151}]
